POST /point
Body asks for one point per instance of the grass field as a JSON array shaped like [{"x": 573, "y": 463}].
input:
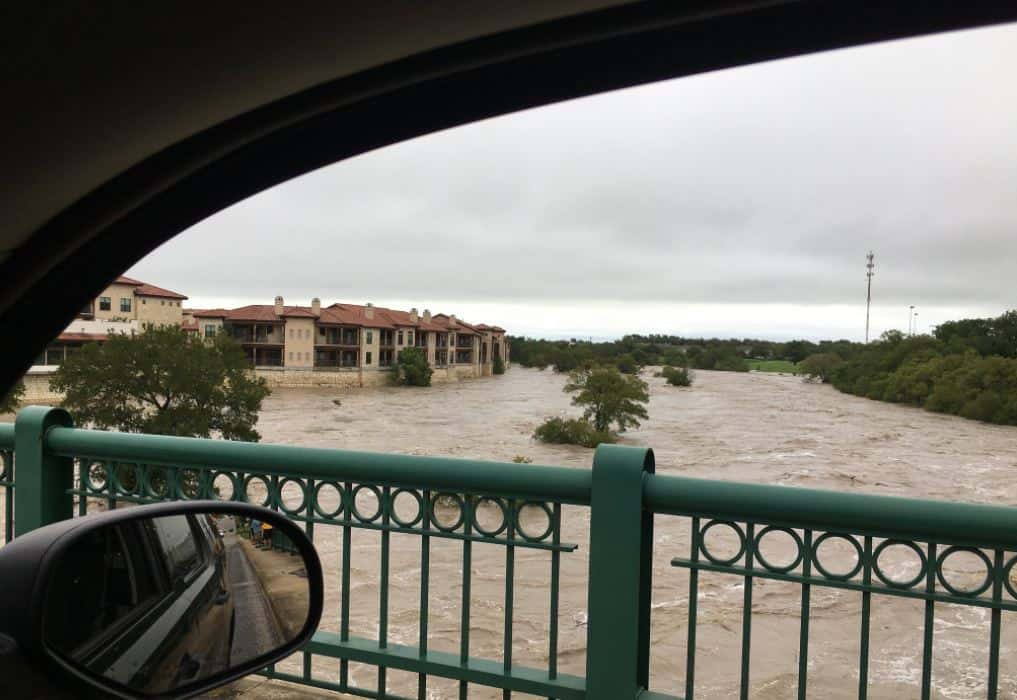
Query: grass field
[{"x": 772, "y": 366}]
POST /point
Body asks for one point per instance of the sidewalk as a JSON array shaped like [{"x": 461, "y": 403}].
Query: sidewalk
[{"x": 258, "y": 688}]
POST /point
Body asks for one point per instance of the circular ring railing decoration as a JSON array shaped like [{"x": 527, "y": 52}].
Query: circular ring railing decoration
[
  {"x": 719, "y": 561},
  {"x": 450, "y": 500},
  {"x": 233, "y": 485},
  {"x": 829, "y": 537},
  {"x": 117, "y": 484},
  {"x": 394, "y": 514},
  {"x": 966, "y": 593},
  {"x": 893, "y": 583},
  {"x": 371, "y": 488},
  {"x": 88, "y": 470},
  {"x": 316, "y": 496},
  {"x": 517, "y": 521},
  {"x": 302, "y": 485},
  {"x": 503, "y": 509},
  {"x": 1008, "y": 574},
  {"x": 188, "y": 483},
  {"x": 247, "y": 489},
  {"x": 155, "y": 481},
  {"x": 800, "y": 554}
]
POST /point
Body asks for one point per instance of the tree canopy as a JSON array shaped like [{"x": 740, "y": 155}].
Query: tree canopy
[
  {"x": 166, "y": 382},
  {"x": 10, "y": 402},
  {"x": 609, "y": 397},
  {"x": 412, "y": 368}
]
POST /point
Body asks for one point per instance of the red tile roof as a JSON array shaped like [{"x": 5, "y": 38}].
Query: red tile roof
[
  {"x": 147, "y": 290},
  {"x": 89, "y": 337},
  {"x": 190, "y": 326},
  {"x": 343, "y": 314},
  {"x": 150, "y": 290}
]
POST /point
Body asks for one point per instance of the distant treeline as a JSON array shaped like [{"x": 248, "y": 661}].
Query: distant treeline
[
  {"x": 635, "y": 351},
  {"x": 966, "y": 368}
]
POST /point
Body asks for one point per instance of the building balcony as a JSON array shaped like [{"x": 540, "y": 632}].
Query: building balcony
[{"x": 813, "y": 543}]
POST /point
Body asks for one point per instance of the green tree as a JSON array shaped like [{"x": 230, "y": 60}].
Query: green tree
[
  {"x": 166, "y": 382},
  {"x": 10, "y": 402},
  {"x": 677, "y": 376},
  {"x": 498, "y": 366},
  {"x": 820, "y": 366},
  {"x": 571, "y": 431},
  {"x": 412, "y": 368},
  {"x": 609, "y": 397}
]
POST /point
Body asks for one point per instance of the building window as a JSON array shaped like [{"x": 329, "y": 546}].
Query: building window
[
  {"x": 370, "y": 339},
  {"x": 143, "y": 301},
  {"x": 105, "y": 303},
  {"x": 291, "y": 355},
  {"x": 209, "y": 330},
  {"x": 125, "y": 304},
  {"x": 367, "y": 361},
  {"x": 399, "y": 340},
  {"x": 162, "y": 302}
]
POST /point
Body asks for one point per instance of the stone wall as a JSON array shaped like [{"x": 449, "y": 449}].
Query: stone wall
[{"x": 37, "y": 389}]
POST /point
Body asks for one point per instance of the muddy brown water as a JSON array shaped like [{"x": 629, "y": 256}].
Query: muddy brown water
[{"x": 762, "y": 428}]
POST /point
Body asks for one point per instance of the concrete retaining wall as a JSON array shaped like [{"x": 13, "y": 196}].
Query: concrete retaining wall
[{"x": 37, "y": 389}]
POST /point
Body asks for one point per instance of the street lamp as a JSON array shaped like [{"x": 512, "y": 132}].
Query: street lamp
[
  {"x": 911, "y": 312},
  {"x": 915, "y": 327}
]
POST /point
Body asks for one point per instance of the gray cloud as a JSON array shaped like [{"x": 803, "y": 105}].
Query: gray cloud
[{"x": 764, "y": 184}]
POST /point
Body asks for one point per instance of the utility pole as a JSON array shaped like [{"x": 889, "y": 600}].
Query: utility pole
[{"x": 870, "y": 264}]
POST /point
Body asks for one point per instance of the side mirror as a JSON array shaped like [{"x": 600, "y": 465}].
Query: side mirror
[{"x": 161, "y": 601}]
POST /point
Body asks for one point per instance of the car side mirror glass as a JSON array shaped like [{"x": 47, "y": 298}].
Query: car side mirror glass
[{"x": 162, "y": 604}]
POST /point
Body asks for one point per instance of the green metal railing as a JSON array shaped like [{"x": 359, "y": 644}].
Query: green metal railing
[{"x": 60, "y": 470}]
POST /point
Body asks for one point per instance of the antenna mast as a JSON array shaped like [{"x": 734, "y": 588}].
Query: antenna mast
[{"x": 869, "y": 264}]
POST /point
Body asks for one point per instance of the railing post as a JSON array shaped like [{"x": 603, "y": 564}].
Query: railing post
[
  {"x": 620, "y": 582},
  {"x": 44, "y": 481}
]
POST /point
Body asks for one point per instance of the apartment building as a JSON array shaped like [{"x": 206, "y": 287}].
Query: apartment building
[
  {"x": 127, "y": 306},
  {"x": 351, "y": 337}
]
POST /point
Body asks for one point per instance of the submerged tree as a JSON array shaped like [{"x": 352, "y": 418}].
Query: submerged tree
[
  {"x": 609, "y": 397},
  {"x": 412, "y": 368},
  {"x": 166, "y": 382},
  {"x": 498, "y": 366}
]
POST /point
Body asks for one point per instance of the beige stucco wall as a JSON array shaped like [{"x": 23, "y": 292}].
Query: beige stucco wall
[
  {"x": 158, "y": 311},
  {"x": 116, "y": 292},
  {"x": 299, "y": 342},
  {"x": 202, "y": 322},
  {"x": 369, "y": 347}
]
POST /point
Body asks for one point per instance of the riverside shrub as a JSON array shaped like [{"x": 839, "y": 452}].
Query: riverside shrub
[
  {"x": 572, "y": 431},
  {"x": 677, "y": 376},
  {"x": 412, "y": 368}
]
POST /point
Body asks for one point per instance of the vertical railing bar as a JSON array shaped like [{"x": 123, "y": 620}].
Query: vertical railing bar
[
  {"x": 8, "y": 459},
  {"x": 994, "y": 629},
  {"x": 309, "y": 500},
  {"x": 690, "y": 651},
  {"x": 344, "y": 604},
  {"x": 863, "y": 653},
  {"x": 747, "y": 611},
  {"x": 83, "y": 466},
  {"x": 425, "y": 575},
  {"x": 552, "y": 652},
  {"x": 464, "y": 643},
  {"x": 111, "y": 501},
  {"x": 803, "y": 635},
  {"x": 383, "y": 585},
  {"x": 930, "y": 615},
  {"x": 510, "y": 572}
]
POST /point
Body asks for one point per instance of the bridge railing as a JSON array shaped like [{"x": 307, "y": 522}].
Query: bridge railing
[{"x": 341, "y": 496}]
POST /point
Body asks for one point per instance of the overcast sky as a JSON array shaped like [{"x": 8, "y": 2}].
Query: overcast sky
[{"x": 736, "y": 203}]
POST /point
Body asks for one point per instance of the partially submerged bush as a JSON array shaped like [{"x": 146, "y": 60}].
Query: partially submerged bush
[
  {"x": 572, "y": 431},
  {"x": 677, "y": 376}
]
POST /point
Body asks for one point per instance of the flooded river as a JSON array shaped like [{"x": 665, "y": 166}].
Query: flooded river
[{"x": 762, "y": 428}]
